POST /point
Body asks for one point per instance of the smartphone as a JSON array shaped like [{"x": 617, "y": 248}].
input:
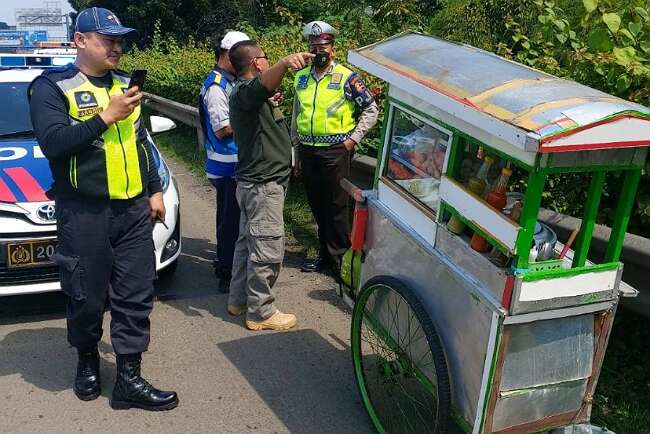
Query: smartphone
[{"x": 137, "y": 78}]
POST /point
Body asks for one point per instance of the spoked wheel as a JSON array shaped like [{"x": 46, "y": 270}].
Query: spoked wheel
[{"x": 398, "y": 360}]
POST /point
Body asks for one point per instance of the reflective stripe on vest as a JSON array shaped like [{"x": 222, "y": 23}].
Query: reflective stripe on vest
[
  {"x": 119, "y": 142},
  {"x": 221, "y": 153},
  {"x": 325, "y": 116}
]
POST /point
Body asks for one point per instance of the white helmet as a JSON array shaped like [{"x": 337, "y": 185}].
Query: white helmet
[{"x": 319, "y": 32}]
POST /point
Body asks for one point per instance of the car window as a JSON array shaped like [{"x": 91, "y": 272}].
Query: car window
[{"x": 14, "y": 108}]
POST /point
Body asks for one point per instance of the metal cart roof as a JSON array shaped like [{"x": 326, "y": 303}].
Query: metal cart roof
[{"x": 527, "y": 108}]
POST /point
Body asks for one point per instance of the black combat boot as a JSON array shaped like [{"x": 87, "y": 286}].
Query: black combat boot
[
  {"x": 131, "y": 390},
  {"x": 86, "y": 383}
]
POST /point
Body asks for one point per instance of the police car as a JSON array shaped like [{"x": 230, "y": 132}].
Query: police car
[{"x": 27, "y": 216}]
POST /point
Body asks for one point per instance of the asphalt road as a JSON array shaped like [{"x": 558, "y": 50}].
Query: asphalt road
[{"x": 229, "y": 380}]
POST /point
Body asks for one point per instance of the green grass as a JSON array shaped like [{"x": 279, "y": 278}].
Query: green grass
[
  {"x": 181, "y": 145},
  {"x": 622, "y": 401}
]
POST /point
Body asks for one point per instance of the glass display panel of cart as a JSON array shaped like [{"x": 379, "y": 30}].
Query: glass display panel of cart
[{"x": 417, "y": 156}]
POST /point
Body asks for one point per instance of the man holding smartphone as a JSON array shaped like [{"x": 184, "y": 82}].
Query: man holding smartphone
[{"x": 107, "y": 193}]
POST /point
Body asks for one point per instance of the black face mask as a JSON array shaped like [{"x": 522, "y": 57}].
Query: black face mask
[{"x": 322, "y": 58}]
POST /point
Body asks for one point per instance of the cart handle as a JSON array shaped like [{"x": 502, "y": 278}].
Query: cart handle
[{"x": 354, "y": 191}]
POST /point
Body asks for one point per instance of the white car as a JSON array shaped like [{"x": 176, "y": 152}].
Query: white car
[{"x": 27, "y": 216}]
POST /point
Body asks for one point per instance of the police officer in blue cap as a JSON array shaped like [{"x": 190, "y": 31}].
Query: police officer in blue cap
[{"x": 107, "y": 193}]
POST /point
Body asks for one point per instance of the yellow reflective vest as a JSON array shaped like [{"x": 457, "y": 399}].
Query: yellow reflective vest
[
  {"x": 116, "y": 165},
  {"x": 326, "y": 116}
]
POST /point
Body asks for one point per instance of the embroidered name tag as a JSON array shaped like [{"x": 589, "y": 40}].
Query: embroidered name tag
[
  {"x": 85, "y": 99},
  {"x": 335, "y": 81},
  {"x": 90, "y": 111}
]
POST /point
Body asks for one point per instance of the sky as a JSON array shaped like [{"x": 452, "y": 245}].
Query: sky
[{"x": 7, "y": 8}]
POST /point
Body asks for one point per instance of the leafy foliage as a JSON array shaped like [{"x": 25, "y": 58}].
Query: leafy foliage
[
  {"x": 609, "y": 49},
  {"x": 606, "y": 47},
  {"x": 481, "y": 23},
  {"x": 181, "y": 19},
  {"x": 175, "y": 71}
]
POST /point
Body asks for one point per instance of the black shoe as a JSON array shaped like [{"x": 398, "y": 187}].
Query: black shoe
[
  {"x": 86, "y": 384},
  {"x": 133, "y": 391},
  {"x": 314, "y": 265}
]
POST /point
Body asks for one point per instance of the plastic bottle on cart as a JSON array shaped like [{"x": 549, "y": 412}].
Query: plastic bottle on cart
[
  {"x": 496, "y": 257},
  {"x": 476, "y": 185},
  {"x": 497, "y": 199}
]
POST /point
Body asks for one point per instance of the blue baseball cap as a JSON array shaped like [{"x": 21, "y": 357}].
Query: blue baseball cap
[{"x": 101, "y": 21}]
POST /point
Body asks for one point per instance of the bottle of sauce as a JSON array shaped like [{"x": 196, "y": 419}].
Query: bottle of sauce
[
  {"x": 496, "y": 257},
  {"x": 476, "y": 185},
  {"x": 497, "y": 199}
]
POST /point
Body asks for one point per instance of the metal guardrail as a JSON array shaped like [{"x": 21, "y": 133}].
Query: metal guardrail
[
  {"x": 183, "y": 113},
  {"x": 636, "y": 250}
]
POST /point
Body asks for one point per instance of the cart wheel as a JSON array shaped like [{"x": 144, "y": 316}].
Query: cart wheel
[{"x": 398, "y": 360}]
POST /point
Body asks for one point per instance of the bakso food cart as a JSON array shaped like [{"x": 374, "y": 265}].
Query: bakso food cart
[{"x": 469, "y": 313}]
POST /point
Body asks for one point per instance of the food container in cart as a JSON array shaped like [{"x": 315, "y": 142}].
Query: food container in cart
[{"x": 443, "y": 339}]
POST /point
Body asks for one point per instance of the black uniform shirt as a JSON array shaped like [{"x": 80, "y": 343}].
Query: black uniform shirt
[{"x": 59, "y": 140}]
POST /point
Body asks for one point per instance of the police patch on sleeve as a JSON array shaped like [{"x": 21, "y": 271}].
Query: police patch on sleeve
[
  {"x": 85, "y": 99},
  {"x": 302, "y": 82},
  {"x": 356, "y": 90}
]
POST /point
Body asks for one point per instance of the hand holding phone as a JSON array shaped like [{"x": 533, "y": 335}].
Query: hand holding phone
[{"x": 137, "y": 78}]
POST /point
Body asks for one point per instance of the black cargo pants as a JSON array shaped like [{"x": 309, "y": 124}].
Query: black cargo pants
[{"x": 106, "y": 258}]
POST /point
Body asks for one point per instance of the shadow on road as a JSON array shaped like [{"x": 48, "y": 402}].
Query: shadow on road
[
  {"x": 293, "y": 373},
  {"x": 193, "y": 288},
  {"x": 194, "y": 276},
  {"x": 21, "y": 309},
  {"x": 330, "y": 297},
  {"x": 43, "y": 358}
]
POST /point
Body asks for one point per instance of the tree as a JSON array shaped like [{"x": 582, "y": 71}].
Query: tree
[
  {"x": 200, "y": 19},
  {"x": 4, "y": 26}
]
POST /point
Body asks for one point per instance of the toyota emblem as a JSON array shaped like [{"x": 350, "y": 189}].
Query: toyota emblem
[{"x": 47, "y": 212}]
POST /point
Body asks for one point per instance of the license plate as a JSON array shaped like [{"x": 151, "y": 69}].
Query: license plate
[{"x": 30, "y": 253}]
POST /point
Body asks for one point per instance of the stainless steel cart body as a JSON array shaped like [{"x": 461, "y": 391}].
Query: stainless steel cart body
[{"x": 523, "y": 344}]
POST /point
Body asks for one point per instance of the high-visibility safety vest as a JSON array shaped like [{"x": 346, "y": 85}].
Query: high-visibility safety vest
[
  {"x": 326, "y": 116},
  {"x": 222, "y": 153},
  {"x": 116, "y": 165}
]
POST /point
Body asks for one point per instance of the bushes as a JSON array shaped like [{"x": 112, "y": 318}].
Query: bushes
[
  {"x": 174, "y": 71},
  {"x": 481, "y": 23},
  {"x": 605, "y": 46}
]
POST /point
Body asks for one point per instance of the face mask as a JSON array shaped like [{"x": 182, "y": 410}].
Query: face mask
[{"x": 322, "y": 58}]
